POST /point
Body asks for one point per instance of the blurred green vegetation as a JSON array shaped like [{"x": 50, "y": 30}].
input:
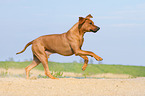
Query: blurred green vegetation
[{"x": 135, "y": 71}]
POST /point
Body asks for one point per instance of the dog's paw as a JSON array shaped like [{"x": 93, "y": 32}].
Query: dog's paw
[
  {"x": 54, "y": 78},
  {"x": 100, "y": 59},
  {"x": 84, "y": 67}
]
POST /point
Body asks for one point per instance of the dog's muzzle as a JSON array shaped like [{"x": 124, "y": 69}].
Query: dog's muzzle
[{"x": 95, "y": 30}]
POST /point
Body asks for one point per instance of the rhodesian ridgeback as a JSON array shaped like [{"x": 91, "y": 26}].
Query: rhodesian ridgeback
[{"x": 66, "y": 44}]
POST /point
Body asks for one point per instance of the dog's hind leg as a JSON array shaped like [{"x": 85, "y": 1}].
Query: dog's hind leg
[
  {"x": 34, "y": 63},
  {"x": 40, "y": 53},
  {"x": 43, "y": 59}
]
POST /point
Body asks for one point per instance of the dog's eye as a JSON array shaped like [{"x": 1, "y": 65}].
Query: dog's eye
[{"x": 91, "y": 23}]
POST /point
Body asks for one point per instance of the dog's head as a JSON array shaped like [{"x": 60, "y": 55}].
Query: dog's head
[{"x": 87, "y": 25}]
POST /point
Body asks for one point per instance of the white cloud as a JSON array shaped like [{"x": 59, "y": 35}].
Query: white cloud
[
  {"x": 135, "y": 12},
  {"x": 27, "y": 7},
  {"x": 128, "y": 25},
  {"x": 141, "y": 6},
  {"x": 109, "y": 17},
  {"x": 41, "y": 14}
]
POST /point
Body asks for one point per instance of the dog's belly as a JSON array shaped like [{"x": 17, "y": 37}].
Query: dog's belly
[
  {"x": 65, "y": 52},
  {"x": 57, "y": 44},
  {"x": 62, "y": 51}
]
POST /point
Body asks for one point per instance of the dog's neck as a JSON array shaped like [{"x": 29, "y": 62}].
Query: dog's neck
[{"x": 76, "y": 31}]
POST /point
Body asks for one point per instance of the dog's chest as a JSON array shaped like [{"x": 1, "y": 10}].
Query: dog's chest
[{"x": 81, "y": 42}]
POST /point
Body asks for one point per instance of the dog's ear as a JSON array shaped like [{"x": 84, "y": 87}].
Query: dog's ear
[
  {"x": 81, "y": 20},
  {"x": 89, "y": 16}
]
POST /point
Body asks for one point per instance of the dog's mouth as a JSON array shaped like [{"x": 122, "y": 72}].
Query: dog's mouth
[{"x": 95, "y": 30}]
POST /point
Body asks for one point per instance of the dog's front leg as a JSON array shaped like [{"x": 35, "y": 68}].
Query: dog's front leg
[
  {"x": 77, "y": 51},
  {"x": 88, "y": 53},
  {"x": 85, "y": 62}
]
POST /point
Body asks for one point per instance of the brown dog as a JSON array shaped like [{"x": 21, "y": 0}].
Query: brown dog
[{"x": 66, "y": 44}]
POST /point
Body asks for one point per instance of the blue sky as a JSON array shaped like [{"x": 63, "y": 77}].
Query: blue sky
[{"x": 121, "y": 39}]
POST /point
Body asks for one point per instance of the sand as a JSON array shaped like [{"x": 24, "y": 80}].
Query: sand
[{"x": 19, "y": 86}]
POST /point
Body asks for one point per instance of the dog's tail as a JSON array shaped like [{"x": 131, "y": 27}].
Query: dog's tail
[{"x": 25, "y": 47}]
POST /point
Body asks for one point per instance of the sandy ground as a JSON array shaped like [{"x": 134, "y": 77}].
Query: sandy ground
[
  {"x": 19, "y": 86},
  {"x": 35, "y": 73}
]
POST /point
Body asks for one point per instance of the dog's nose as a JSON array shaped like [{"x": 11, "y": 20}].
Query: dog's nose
[{"x": 98, "y": 28}]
